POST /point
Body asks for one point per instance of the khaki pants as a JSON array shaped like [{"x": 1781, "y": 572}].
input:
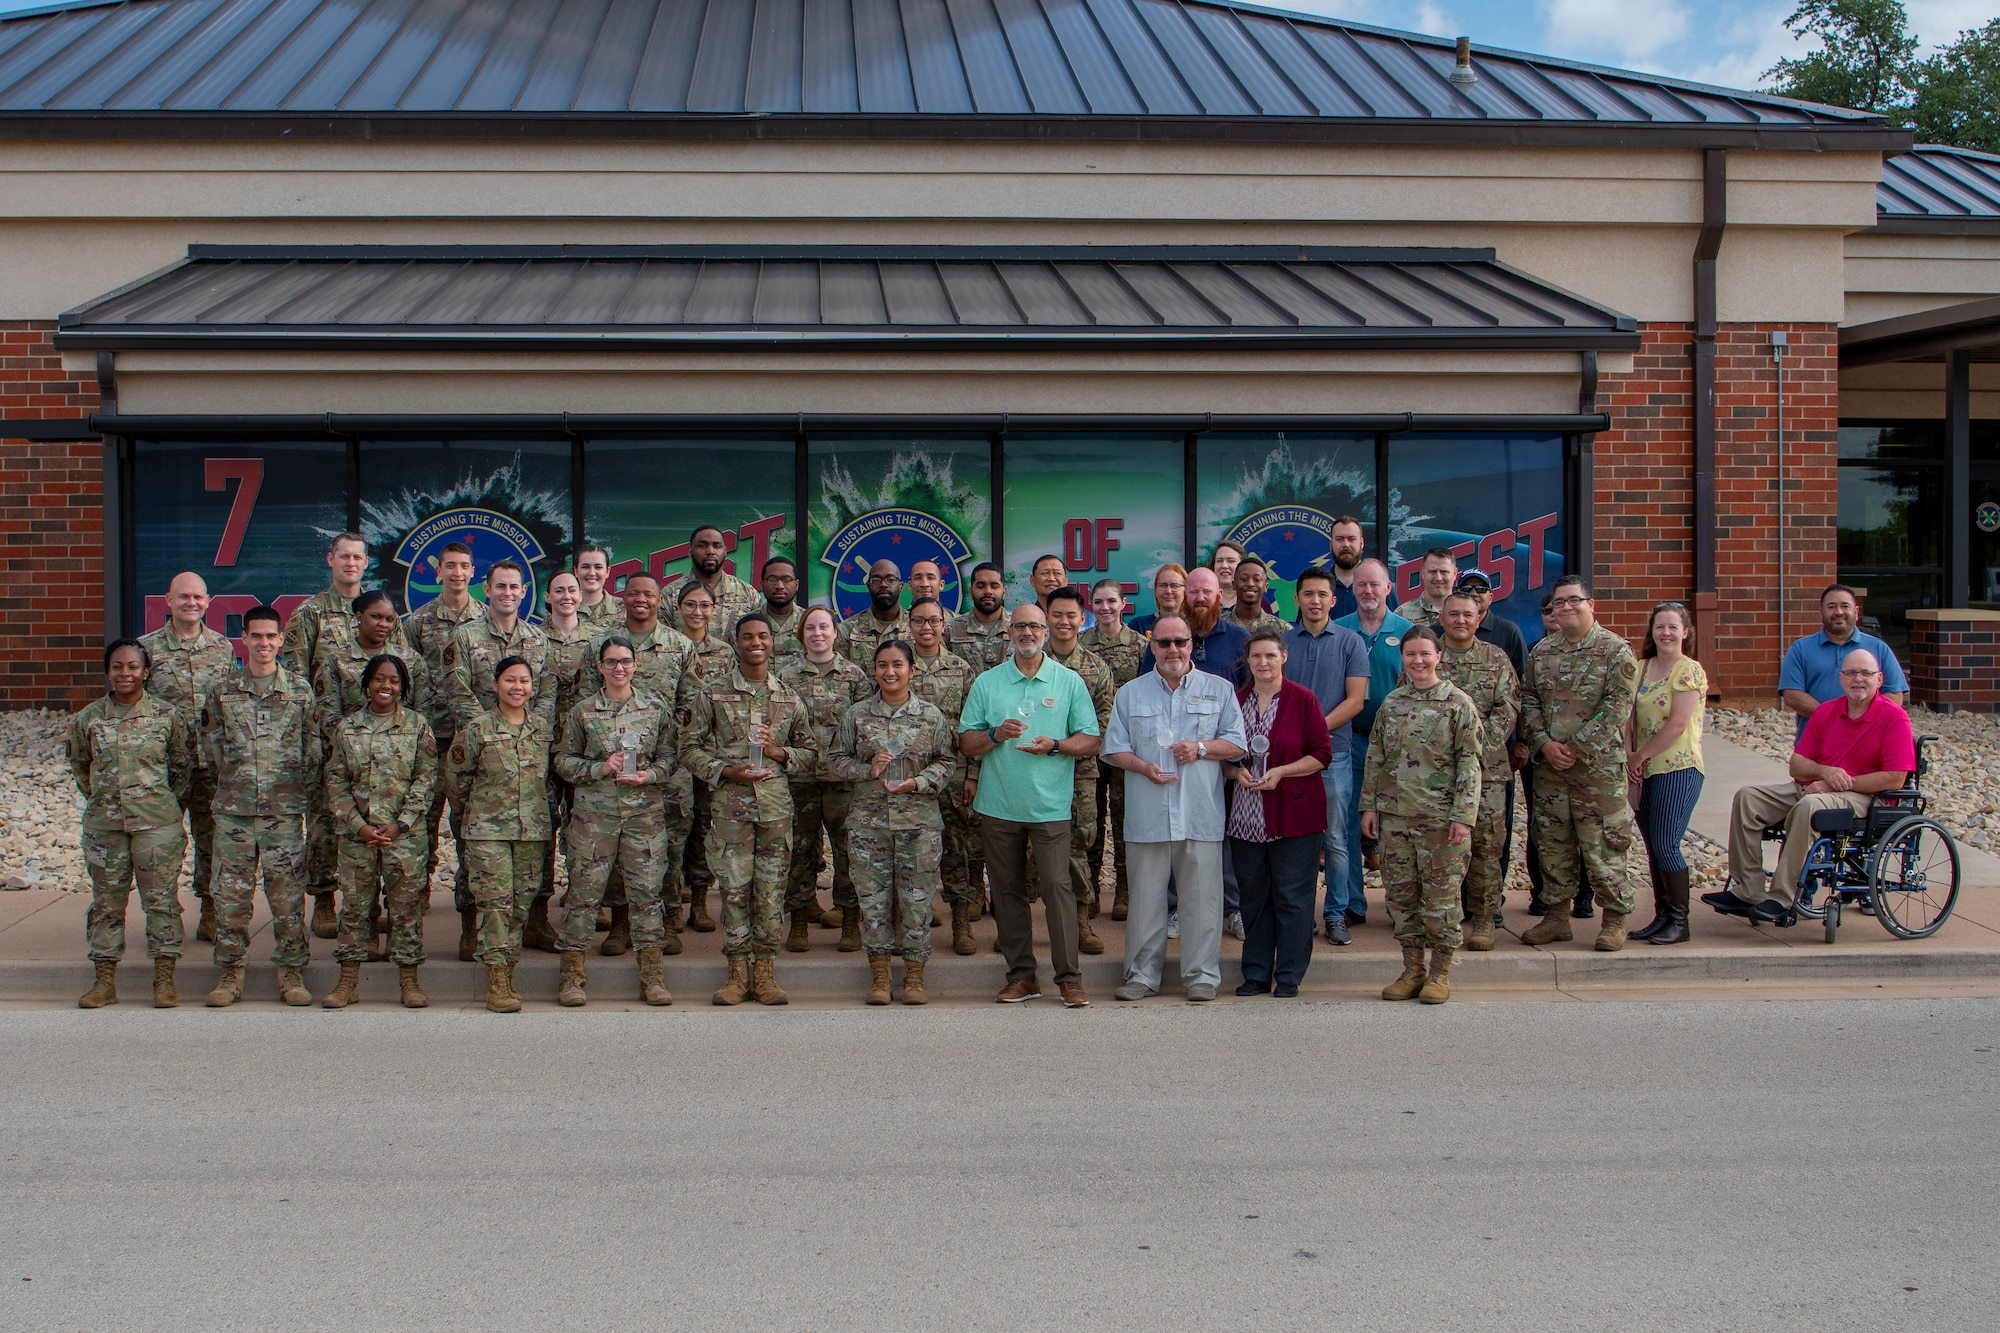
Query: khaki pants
[
  {"x": 1756, "y": 809},
  {"x": 1008, "y": 846}
]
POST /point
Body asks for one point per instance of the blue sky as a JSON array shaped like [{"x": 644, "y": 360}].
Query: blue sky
[{"x": 1730, "y": 42}]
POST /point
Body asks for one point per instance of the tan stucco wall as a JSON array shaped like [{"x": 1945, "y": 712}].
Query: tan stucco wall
[
  {"x": 1913, "y": 389},
  {"x": 1891, "y": 274}
]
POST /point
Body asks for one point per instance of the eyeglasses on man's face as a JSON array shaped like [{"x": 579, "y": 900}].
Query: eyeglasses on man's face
[
  {"x": 1564, "y": 603},
  {"x": 1172, "y": 643}
]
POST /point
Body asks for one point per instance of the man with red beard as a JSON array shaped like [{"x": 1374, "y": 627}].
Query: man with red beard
[{"x": 1219, "y": 643}]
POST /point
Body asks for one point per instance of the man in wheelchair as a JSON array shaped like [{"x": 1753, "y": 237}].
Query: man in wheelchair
[{"x": 1852, "y": 747}]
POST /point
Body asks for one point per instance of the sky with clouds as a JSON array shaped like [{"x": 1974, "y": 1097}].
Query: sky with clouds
[{"x": 1728, "y": 42}]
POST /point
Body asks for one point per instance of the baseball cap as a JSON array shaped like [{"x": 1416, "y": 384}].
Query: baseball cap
[{"x": 1467, "y": 577}]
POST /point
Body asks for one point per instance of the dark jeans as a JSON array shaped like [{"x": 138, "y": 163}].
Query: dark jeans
[{"x": 1277, "y": 881}]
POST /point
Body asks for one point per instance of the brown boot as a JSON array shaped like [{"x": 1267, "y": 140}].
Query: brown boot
[
  {"x": 1414, "y": 976},
  {"x": 539, "y": 933},
  {"x": 737, "y": 988},
  {"x": 325, "y": 921},
  {"x": 1611, "y": 937},
  {"x": 961, "y": 929},
  {"x": 292, "y": 988},
  {"x": 1438, "y": 989},
  {"x": 1121, "y": 903},
  {"x": 1087, "y": 940},
  {"x": 569, "y": 987},
  {"x": 105, "y": 992},
  {"x": 824, "y": 916},
  {"x": 413, "y": 994},
  {"x": 468, "y": 934},
  {"x": 878, "y": 981},
  {"x": 1554, "y": 927},
  {"x": 798, "y": 941},
  {"x": 850, "y": 930},
  {"x": 652, "y": 985},
  {"x": 164, "y": 994},
  {"x": 670, "y": 940},
  {"x": 500, "y": 996},
  {"x": 345, "y": 991},
  {"x": 764, "y": 982},
  {"x": 913, "y": 981},
  {"x": 205, "y": 928},
  {"x": 698, "y": 917},
  {"x": 603, "y": 918},
  {"x": 229, "y": 989},
  {"x": 618, "y": 939},
  {"x": 1479, "y": 934}
]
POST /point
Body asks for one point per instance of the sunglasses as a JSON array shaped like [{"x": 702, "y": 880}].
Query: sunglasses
[{"x": 1173, "y": 643}]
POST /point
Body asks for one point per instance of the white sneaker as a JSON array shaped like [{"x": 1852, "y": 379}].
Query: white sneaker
[
  {"x": 1234, "y": 925},
  {"x": 1173, "y": 925}
]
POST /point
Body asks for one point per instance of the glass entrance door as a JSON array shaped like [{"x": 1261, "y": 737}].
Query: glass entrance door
[{"x": 1984, "y": 577}]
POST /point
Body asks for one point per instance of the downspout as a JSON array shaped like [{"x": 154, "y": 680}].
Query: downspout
[
  {"x": 1714, "y": 219},
  {"x": 113, "y": 505}
]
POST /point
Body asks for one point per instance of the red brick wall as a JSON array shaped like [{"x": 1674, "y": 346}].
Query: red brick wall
[
  {"x": 1955, "y": 662},
  {"x": 1645, "y": 492},
  {"x": 51, "y": 530}
]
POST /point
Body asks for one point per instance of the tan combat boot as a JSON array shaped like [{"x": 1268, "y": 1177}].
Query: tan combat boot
[
  {"x": 345, "y": 991},
  {"x": 1414, "y": 976},
  {"x": 1438, "y": 988},
  {"x": 292, "y": 988},
  {"x": 569, "y": 988},
  {"x": 500, "y": 997},
  {"x": 764, "y": 983},
  {"x": 164, "y": 994},
  {"x": 468, "y": 934},
  {"x": 936, "y": 920},
  {"x": 797, "y": 941},
  {"x": 413, "y": 994},
  {"x": 1087, "y": 938},
  {"x": 229, "y": 989},
  {"x": 850, "y": 930},
  {"x": 105, "y": 992},
  {"x": 961, "y": 929},
  {"x": 878, "y": 981},
  {"x": 824, "y": 916},
  {"x": 652, "y": 985},
  {"x": 205, "y": 928},
  {"x": 618, "y": 939},
  {"x": 539, "y": 933},
  {"x": 913, "y": 982},
  {"x": 1611, "y": 936},
  {"x": 737, "y": 988},
  {"x": 325, "y": 921},
  {"x": 670, "y": 938},
  {"x": 1121, "y": 902},
  {"x": 1479, "y": 934},
  {"x": 603, "y": 918},
  {"x": 1554, "y": 927},
  {"x": 698, "y": 917}
]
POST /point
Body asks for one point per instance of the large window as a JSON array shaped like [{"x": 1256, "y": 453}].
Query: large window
[
  {"x": 644, "y": 498},
  {"x": 902, "y": 498},
  {"x": 1495, "y": 500},
  {"x": 1277, "y": 495},
  {"x": 1111, "y": 505},
  {"x": 1891, "y": 524}
]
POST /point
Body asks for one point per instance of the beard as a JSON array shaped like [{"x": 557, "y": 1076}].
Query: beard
[
  {"x": 1202, "y": 620},
  {"x": 776, "y": 605},
  {"x": 986, "y": 603},
  {"x": 885, "y": 607},
  {"x": 1346, "y": 563},
  {"x": 707, "y": 569}
]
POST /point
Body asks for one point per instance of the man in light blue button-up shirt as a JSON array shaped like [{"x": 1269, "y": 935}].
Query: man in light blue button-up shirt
[{"x": 1170, "y": 730}]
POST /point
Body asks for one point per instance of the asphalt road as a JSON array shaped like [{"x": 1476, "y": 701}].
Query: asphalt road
[{"x": 1594, "y": 1166}]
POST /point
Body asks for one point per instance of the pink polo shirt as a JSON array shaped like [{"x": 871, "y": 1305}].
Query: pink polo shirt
[{"x": 1879, "y": 741}]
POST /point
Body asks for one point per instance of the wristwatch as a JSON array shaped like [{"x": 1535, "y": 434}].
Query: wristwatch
[{"x": 1201, "y": 749}]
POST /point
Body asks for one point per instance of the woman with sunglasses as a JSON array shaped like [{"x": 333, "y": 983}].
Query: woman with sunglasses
[{"x": 1663, "y": 745}]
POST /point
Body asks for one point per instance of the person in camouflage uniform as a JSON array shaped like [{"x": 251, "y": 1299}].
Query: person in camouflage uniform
[
  {"x": 1579, "y": 692},
  {"x": 828, "y": 685},
  {"x": 779, "y": 582},
  {"x": 942, "y": 680},
  {"x": 899, "y": 752},
  {"x": 382, "y": 766},
  {"x": 257, "y": 734},
  {"x": 1065, "y": 613},
  {"x": 1420, "y": 797},
  {"x": 708, "y": 549},
  {"x": 429, "y": 629},
  {"x": 714, "y": 658},
  {"x": 1483, "y": 672},
  {"x": 596, "y": 607},
  {"x": 133, "y": 757},
  {"x": 616, "y": 750},
  {"x": 568, "y": 664},
  {"x": 1121, "y": 648},
  {"x": 503, "y": 760},
  {"x": 1251, "y": 579},
  {"x": 1440, "y": 572},
  {"x": 979, "y": 639},
  {"x": 734, "y": 732},
  {"x": 188, "y": 657},
  {"x": 882, "y": 621}
]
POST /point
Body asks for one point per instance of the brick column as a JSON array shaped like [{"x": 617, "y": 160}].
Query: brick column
[{"x": 1955, "y": 660}]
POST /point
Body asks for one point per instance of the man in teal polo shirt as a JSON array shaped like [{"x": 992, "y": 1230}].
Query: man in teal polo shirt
[
  {"x": 1382, "y": 630},
  {"x": 1026, "y": 787}
]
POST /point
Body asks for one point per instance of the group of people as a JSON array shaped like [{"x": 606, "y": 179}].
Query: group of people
[{"x": 1228, "y": 760}]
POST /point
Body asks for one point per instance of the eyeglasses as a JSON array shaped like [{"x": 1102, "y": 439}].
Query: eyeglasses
[
  {"x": 1029, "y": 629},
  {"x": 1858, "y": 674},
  {"x": 1559, "y": 603},
  {"x": 1172, "y": 643},
  {"x": 927, "y": 620},
  {"x": 781, "y": 578},
  {"x": 615, "y": 664}
]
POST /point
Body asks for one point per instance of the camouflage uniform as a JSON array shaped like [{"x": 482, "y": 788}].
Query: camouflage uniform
[
  {"x": 1121, "y": 652},
  {"x": 942, "y": 682},
  {"x": 1581, "y": 695},
  {"x": 320, "y": 627},
  {"x": 339, "y": 693},
  {"x": 785, "y": 641},
  {"x": 1421, "y": 777},
  {"x": 733, "y": 597},
  {"x": 182, "y": 673},
  {"x": 664, "y": 656},
  {"x": 1083, "y": 805},
  {"x": 476, "y": 648},
  {"x": 381, "y": 768},
  {"x": 615, "y": 824},
  {"x": 429, "y": 629},
  {"x": 819, "y": 804},
  {"x": 568, "y": 663},
  {"x": 1487, "y": 678},
  {"x": 860, "y": 637},
  {"x": 504, "y": 771},
  {"x": 714, "y": 659},
  {"x": 1419, "y": 611},
  {"x": 259, "y": 738},
  {"x": 1264, "y": 619},
  {"x": 133, "y": 764},
  {"x": 750, "y": 838},
  {"x": 607, "y": 614},
  {"x": 896, "y": 840},
  {"x": 983, "y": 644}
]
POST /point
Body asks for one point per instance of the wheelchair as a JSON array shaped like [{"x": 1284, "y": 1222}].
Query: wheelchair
[{"x": 1893, "y": 863}]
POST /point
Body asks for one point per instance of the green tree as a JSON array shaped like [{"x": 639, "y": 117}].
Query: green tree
[
  {"x": 1866, "y": 60},
  {"x": 1958, "y": 92}
]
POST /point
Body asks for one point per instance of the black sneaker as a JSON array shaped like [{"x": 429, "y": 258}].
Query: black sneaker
[
  {"x": 1354, "y": 919},
  {"x": 1336, "y": 933}
]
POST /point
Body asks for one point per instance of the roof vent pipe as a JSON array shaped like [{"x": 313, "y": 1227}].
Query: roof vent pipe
[{"x": 1464, "y": 76}]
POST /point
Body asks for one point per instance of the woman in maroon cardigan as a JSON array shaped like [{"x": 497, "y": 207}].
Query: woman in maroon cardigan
[{"x": 1276, "y": 818}]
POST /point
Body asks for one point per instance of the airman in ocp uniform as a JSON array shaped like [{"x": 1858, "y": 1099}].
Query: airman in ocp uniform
[
  {"x": 429, "y": 629},
  {"x": 569, "y": 637},
  {"x": 503, "y": 758},
  {"x": 828, "y": 685},
  {"x": 942, "y": 680},
  {"x": 978, "y": 638},
  {"x": 1483, "y": 672},
  {"x": 1065, "y": 613},
  {"x": 708, "y": 548},
  {"x": 1121, "y": 647},
  {"x": 188, "y": 657}
]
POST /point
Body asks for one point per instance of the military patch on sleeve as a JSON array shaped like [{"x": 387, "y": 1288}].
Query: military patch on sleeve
[{"x": 458, "y": 754}]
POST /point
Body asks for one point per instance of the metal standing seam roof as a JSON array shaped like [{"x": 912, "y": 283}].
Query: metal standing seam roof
[
  {"x": 843, "y": 298},
  {"x": 999, "y": 68},
  {"x": 1933, "y": 188}
]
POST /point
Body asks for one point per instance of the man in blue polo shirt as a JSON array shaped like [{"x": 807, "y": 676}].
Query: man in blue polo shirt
[
  {"x": 1333, "y": 663},
  {"x": 1382, "y": 630},
  {"x": 1811, "y": 674}
]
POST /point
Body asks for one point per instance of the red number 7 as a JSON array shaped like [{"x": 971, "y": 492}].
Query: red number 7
[{"x": 217, "y": 473}]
